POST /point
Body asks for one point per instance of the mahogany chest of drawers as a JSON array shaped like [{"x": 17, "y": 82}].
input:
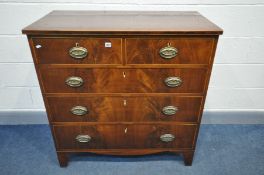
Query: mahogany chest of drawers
[{"x": 123, "y": 83}]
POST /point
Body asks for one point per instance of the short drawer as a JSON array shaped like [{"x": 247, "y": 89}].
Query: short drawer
[
  {"x": 124, "y": 109},
  {"x": 74, "y": 80},
  {"x": 185, "y": 50},
  {"x": 78, "y": 50},
  {"x": 124, "y": 136}
]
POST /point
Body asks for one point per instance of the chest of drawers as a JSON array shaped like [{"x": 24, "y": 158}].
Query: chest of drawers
[{"x": 123, "y": 83}]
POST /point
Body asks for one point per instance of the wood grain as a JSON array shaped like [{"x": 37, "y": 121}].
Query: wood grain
[
  {"x": 124, "y": 89},
  {"x": 122, "y": 22},
  {"x": 125, "y": 108},
  {"x": 113, "y": 80},
  {"x": 55, "y": 50},
  {"x": 136, "y": 136},
  {"x": 192, "y": 50}
]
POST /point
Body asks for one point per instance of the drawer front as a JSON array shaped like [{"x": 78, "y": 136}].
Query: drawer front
[
  {"x": 169, "y": 51},
  {"x": 122, "y": 80},
  {"x": 124, "y": 109},
  {"x": 78, "y": 50},
  {"x": 124, "y": 136}
]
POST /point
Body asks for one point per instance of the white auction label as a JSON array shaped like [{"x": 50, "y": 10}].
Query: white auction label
[{"x": 108, "y": 44}]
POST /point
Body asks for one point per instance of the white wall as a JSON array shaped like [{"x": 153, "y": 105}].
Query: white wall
[{"x": 238, "y": 75}]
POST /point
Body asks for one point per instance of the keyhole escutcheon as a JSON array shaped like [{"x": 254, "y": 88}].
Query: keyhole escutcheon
[{"x": 124, "y": 74}]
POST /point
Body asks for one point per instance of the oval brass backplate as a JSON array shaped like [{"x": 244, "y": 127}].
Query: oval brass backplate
[
  {"x": 74, "y": 81},
  {"x": 167, "y": 137},
  {"x": 169, "y": 110},
  {"x": 78, "y": 52},
  {"x": 79, "y": 110},
  {"x": 83, "y": 138},
  {"x": 173, "y": 81},
  {"x": 168, "y": 52}
]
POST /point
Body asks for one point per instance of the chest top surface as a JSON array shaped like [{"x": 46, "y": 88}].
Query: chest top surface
[{"x": 123, "y": 22}]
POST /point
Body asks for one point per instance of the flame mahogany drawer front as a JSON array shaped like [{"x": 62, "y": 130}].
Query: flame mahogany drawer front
[
  {"x": 124, "y": 109},
  {"x": 108, "y": 80},
  {"x": 84, "y": 50},
  {"x": 112, "y": 86},
  {"x": 125, "y": 136},
  {"x": 191, "y": 50}
]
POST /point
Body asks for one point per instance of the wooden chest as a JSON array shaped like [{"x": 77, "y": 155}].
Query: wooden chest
[{"x": 123, "y": 83}]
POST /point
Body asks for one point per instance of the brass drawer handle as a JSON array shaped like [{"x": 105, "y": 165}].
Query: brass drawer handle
[
  {"x": 168, "y": 52},
  {"x": 173, "y": 81},
  {"x": 74, "y": 81},
  {"x": 169, "y": 110},
  {"x": 78, "y": 52},
  {"x": 83, "y": 138},
  {"x": 79, "y": 110},
  {"x": 167, "y": 137}
]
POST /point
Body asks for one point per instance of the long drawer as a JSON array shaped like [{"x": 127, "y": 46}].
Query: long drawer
[
  {"x": 102, "y": 80},
  {"x": 124, "y": 109},
  {"x": 181, "y": 50},
  {"x": 124, "y": 136},
  {"x": 78, "y": 50}
]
